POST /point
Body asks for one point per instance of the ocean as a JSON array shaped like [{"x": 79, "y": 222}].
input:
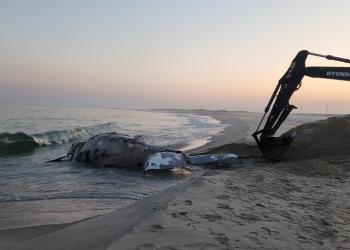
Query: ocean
[{"x": 33, "y": 191}]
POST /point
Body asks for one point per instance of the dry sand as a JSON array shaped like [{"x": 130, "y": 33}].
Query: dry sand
[{"x": 300, "y": 203}]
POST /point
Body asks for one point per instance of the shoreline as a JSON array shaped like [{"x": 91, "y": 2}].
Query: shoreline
[{"x": 235, "y": 129}]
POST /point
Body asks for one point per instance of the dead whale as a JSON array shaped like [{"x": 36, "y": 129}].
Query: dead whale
[{"x": 123, "y": 151}]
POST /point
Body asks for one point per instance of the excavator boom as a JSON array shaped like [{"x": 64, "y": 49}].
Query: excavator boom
[{"x": 272, "y": 147}]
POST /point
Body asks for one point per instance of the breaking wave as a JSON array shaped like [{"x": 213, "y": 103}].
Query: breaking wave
[{"x": 20, "y": 142}]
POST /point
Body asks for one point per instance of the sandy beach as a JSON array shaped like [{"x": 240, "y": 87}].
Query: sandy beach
[{"x": 300, "y": 203}]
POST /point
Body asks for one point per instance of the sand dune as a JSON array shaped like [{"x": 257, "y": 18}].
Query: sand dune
[{"x": 321, "y": 139}]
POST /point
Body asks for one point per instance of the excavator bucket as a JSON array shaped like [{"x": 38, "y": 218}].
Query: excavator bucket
[{"x": 274, "y": 148}]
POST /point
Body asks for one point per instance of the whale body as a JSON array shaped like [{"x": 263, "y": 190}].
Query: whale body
[
  {"x": 113, "y": 150},
  {"x": 123, "y": 151}
]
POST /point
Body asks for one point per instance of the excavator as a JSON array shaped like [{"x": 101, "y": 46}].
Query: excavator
[{"x": 274, "y": 147}]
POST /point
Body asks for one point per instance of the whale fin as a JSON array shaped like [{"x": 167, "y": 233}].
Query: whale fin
[{"x": 61, "y": 158}]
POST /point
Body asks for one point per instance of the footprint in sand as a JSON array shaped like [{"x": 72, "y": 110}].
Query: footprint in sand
[
  {"x": 249, "y": 217},
  {"x": 260, "y": 205},
  {"x": 324, "y": 222},
  {"x": 157, "y": 226},
  {"x": 176, "y": 214},
  {"x": 212, "y": 217},
  {"x": 222, "y": 238},
  {"x": 188, "y": 202},
  {"x": 253, "y": 239},
  {"x": 223, "y": 206},
  {"x": 223, "y": 197},
  {"x": 267, "y": 233},
  {"x": 303, "y": 239}
]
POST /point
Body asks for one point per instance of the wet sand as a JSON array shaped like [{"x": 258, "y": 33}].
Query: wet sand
[{"x": 300, "y": 203}]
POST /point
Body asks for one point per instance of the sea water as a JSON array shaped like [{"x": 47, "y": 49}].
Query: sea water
[{"x": 33, "y": 191}]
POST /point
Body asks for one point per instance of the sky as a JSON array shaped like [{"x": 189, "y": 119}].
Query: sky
[{"x": 213, "y": 54}]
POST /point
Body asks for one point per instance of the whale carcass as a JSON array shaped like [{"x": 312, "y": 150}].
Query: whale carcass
[
  {"x": 113, "y": 150},
  {"x": 123, "y": 151}
]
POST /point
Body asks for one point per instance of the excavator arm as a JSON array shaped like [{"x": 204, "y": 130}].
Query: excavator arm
[{"x": 272, "y": 147}]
